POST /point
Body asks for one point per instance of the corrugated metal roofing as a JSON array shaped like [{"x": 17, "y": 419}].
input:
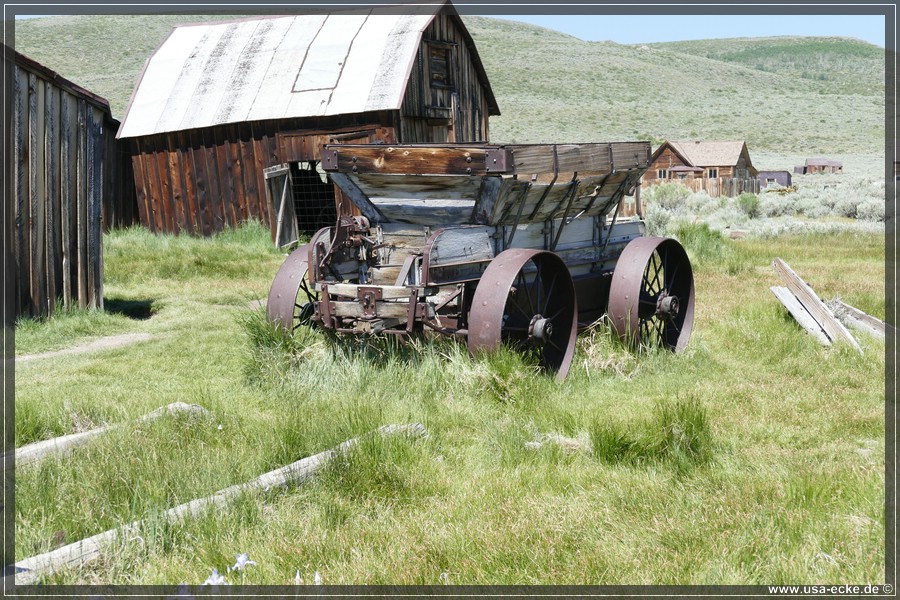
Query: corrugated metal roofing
[
  {"x": 277, "y": 68},
  {"x": 709, "y": 154}
]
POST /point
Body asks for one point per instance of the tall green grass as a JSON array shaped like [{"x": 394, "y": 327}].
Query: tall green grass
[{"x": 750, "y": 458}]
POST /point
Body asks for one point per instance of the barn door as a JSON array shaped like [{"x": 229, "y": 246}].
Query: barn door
[
  {"x": 280, "y": 194},
  {"x": 318, "y": 202}
]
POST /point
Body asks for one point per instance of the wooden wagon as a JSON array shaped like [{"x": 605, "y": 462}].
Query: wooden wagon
[{"x": 497, "y": 244}]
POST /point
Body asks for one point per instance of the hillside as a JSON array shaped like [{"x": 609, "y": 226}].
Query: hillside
[
  {"x": 842, "y": 65},
  {"x": 799, "y": 96}
]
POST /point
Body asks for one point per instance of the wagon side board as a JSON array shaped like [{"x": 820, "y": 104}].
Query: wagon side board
[{"x": 485, "y": 185}]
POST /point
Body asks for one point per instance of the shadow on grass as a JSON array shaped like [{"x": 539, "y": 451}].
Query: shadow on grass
[{"x": 139, "y": 310}]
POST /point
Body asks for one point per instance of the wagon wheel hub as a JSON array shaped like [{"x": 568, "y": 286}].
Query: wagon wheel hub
[
  {"x": 540, "y": 328},
  {"x": 667, "y": 306}
]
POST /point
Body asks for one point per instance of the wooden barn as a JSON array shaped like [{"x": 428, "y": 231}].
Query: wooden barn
[
  {"x": 227, "y": 120},
  {"x": 66, "y": 182},
  {"x": 767, "y": 178},
  {"x": 719, "y": 168}
]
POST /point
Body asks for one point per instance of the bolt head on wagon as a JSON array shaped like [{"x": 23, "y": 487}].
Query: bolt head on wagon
[{"x": 522, "y": 245}]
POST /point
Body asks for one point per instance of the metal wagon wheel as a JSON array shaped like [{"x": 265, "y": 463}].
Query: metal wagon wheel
[
  {"x": 291, "y": 298},
  {"x": 526, "y": 298},
  {"x": 651, "y": 297}
]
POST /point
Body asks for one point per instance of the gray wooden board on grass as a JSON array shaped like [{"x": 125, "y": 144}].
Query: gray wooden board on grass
[
  {"x": 814, "y": 305},
  {"x": 857, "y": 319},
  {"x": 30, "y": 570},
  {"x": 800, "y": 314}
]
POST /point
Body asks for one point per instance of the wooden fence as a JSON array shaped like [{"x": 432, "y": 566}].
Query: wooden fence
[
  {"x": 67, "y": 182},
  {"x": 730, "y": 187}
]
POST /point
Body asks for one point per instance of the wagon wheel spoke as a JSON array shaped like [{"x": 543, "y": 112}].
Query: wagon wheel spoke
[{"x": 651, "y": 296}]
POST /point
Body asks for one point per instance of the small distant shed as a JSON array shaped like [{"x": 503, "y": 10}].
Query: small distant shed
[
  {"x": 819, "y": 165},
  {"x": 66, "y": 181},
  {"x": 767, "y": 178},
  {"x": 222, "y": 106}
]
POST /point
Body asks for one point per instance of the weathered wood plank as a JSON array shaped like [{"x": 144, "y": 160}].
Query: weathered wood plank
[
  {"x": 434, "y": 213},
  {"x": 358, "y": 197},
  {"x": 68, "y": 122},
  {"x": 461, "y": 244},
  {"x": 174, "y": 175},
  {"x": 81, "y": 203},
  {"x": 95, "y": 207},
  {"x": 800, "y": 314},
  {"x": 420, "y": 187},
  {"x": 38, "y": 236},
  {"x": 814, "y": 305},
  {"x": 857, "y": 319},
  {"x": 22, "y": 192},
  {"x": 52, "y": 195},
  {"x": 407, "y": 159},
  {"x": 38, "y": 451},
  {"x": 201, "y": 184},
  {"x": 30, "y": 570}
]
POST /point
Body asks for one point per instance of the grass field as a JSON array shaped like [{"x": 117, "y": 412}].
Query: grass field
[{"x": 755, "y": 457}]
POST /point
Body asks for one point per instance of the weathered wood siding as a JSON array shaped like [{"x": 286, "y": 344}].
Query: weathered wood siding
[
  {"x": 666, "y": 160},
  {"x": 205, "y": 180},
  {"x": 66, "y": 184},
  {"x": 455, "y": 110}
]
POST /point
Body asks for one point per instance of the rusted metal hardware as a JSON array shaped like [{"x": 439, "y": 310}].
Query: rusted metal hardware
[{"x": 482, "y": 242}]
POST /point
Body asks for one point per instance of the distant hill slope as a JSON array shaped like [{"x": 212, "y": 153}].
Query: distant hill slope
[
  {"x": 784, "y": 95},
  {"x": 844, "y": 65}
]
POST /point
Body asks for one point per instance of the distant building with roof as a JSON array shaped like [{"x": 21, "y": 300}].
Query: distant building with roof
[
  {"x": 719, "y": 168},
  {"x": 819, "y": 165},
  {"x": 767, "y": 178}
]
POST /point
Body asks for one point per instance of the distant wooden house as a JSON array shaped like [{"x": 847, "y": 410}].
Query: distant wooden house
[
  {"x": 225, "y": 112},
  {"x": 65, "y": 182},
  {"x": 767, "y": 178},
  {"x": 719, "y": 168},
  {"x": 819, "y": 165}
]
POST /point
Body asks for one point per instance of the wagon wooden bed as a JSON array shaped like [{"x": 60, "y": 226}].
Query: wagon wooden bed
[{"x": 517, "y": 244}]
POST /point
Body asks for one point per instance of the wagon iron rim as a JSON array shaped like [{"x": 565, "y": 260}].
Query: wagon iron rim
[
  {"x": 526, "y": 298},
  {"x": 291, "y": 301},
  {"x": 651, "y": 296}
]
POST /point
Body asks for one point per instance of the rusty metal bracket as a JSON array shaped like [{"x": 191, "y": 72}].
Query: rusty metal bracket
[
  {"x": 325, "y": 308},
  {"x": 413, "y": 310},
  {"x": 496, "y": 160},
  {"x": 368, "y": 297}
]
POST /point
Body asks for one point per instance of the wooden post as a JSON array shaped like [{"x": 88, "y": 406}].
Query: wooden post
[{"x": 30, "y": 570}]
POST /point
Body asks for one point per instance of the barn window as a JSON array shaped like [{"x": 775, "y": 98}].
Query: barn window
[
  {"x": 440, "y": 61},
  {"x": 713, "y": 173},
  {"x": 662, "y": 174}
]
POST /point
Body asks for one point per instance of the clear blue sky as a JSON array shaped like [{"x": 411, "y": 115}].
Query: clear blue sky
[
  {"x": 636, "y": 29},
  {"x": 646, "y": 28}
]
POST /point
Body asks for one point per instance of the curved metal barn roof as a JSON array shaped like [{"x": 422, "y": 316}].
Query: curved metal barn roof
[{"x": 276, "y": 68}]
